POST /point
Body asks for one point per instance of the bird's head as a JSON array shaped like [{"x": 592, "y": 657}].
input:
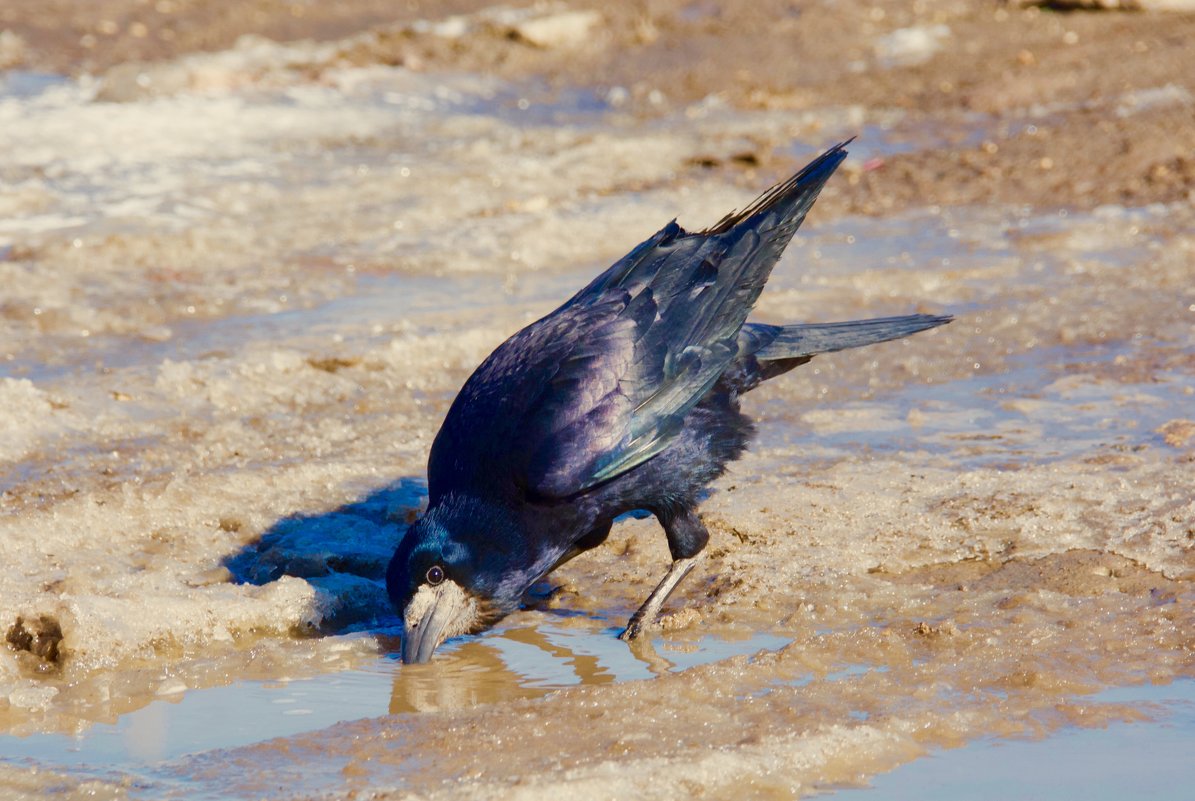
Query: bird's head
[{"x": 445, "y": 583}]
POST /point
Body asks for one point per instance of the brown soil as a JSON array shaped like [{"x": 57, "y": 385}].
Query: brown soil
[
  {"x": 79, "y": 36},
  {"x": 1052, "y": 103}
]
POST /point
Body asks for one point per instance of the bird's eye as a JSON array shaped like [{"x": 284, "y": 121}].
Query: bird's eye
[{"x": 435, "y": 575}]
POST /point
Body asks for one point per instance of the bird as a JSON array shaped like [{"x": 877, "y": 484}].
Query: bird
[{"x": 626, "y": 398}]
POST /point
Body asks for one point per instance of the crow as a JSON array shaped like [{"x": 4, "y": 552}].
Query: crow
[{"x": 624, "y": 398}]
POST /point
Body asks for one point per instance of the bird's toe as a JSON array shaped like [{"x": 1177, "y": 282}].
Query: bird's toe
[{"x": 635, "y": 629}]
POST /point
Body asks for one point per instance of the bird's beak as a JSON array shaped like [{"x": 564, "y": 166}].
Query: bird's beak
[{"x": 434, "y": 615}]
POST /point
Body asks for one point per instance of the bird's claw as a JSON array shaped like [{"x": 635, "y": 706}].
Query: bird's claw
[
  {"x": 647, "y": 616},
  {"x": 635, "y": 628}
]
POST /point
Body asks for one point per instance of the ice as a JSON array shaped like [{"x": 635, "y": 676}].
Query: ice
[
  {"x": 13, "y": 50},
  {"x": 910, "y": 46},
  {"x": 28, "y": 418},
  {"x": 1162, "y": 96},
  {"x": 564, "y": 29}
]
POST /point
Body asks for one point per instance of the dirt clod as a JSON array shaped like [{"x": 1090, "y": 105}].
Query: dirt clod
[{"x": 41, "y": 637}]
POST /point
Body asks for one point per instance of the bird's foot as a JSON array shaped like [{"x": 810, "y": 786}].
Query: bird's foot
[
  {"x": 645, "y": 619},
  {"x": 635, "y": 628}
]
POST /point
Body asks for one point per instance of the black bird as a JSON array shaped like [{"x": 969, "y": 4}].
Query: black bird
[{"x": 624, "y": 398}]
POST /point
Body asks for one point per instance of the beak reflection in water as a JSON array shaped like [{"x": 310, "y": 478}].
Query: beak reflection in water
[
  {"x": 530, "y": 655},
  {"x": 433, "y": 615},
  {"x": 508, "y": 665}
]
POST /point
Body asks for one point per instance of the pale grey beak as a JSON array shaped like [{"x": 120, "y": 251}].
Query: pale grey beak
[
  {"x": 420, "y": 641},
  {"x": 432, "y": 616}
]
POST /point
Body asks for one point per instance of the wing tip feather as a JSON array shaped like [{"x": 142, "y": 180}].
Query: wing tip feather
[{"x": 810, "y": 178}]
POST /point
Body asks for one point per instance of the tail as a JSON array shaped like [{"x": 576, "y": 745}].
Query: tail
[
  {"x": 766, "y": 351},
  {"x": 803, "y": 341}
]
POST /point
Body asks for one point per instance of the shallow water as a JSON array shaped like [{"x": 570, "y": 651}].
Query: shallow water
[
  {"x": 234, "y": 319},
  {"x": 514, "y": 660},
  {"x": 1119, "y": 760}
]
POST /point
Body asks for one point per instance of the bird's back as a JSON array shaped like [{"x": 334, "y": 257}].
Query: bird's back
[{"x": 604, "y": 382}]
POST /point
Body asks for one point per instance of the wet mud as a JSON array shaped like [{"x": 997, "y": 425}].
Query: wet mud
[{"x": 245, "y": 277}]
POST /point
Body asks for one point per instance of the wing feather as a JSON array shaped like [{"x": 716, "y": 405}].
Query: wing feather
[{"x": 606, "y": 380}]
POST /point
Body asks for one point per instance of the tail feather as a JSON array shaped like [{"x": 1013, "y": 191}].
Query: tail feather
[{"x": 772, "y": 342}]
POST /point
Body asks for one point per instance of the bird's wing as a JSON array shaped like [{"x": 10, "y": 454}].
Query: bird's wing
[{"x": 651, "y": 336}]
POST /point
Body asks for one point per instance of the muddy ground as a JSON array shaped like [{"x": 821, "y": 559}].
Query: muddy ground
[
  {"x": 262, "y": 313},
  {"x": 1077, "y": 73}
]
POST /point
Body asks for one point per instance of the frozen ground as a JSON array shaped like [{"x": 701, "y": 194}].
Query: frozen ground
[{"x": 237, "y": 306}]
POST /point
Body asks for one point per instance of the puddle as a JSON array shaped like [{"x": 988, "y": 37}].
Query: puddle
[
  {"x": 1122, "y": 760},
  {"x": 514, "y": 660},
  {"x": 233, "y": 321},
  {"x": 1021, "y": 415},
  {"x": 24, "y": 85}
]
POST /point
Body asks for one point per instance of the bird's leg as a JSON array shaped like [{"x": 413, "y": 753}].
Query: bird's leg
[
  {"x": 687, "y": 537},
  {"x": 645, "y": 618}
]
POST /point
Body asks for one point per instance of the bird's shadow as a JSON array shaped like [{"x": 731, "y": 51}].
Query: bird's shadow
[{"x": 342, "y": 553}]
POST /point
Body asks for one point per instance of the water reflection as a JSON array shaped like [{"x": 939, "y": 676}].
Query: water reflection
[
  {"x": 473, "y": 674},
  {"x": 526, "y": 661},
  {"x": 528, "y": 656}
]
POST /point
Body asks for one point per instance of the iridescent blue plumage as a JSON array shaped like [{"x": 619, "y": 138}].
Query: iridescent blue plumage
[{"x": 626, "y": 397}]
